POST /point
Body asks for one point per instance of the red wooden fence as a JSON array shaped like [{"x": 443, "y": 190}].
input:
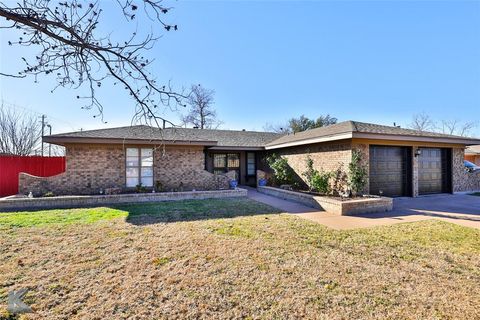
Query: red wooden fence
[{"x": 11, "y": 166}]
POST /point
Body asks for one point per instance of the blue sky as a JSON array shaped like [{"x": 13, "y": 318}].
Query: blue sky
[{"x": 376, "y": 61}]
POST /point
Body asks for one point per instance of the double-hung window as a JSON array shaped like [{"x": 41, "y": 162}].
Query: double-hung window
[{"x": 139, "y": 167}]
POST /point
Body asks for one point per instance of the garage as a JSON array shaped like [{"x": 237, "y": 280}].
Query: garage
[
  {"x": 390, "y": 171},
  {"x": 434, "y": 171}
]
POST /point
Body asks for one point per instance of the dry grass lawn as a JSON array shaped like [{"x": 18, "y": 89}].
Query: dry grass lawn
[{"x": 229, "y": 259}]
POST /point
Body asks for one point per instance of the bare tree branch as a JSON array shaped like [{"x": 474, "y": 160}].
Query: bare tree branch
[
  {"x": 422, "y": 122},
  {"x": 71, "y": 50}
]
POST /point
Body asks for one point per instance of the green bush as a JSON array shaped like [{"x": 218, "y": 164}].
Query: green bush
[
  {"x": 282, "y": 172},
  {"x": 357, "y": 175},
  {"x": 321, "y": 182},
  {"x": 309, "y": 173}
]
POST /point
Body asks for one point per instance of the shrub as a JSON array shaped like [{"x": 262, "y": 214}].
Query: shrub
[
  {"x": 321, "y": 181},
  {"x": 309, "y": 173},
  {"x": 282, "y": 172},
  {"x": 159, "y": 186},
  {"x": 140, "y": 189},
  {"x": 49, "y": 194},
  {"x": 357, "y": 175}
]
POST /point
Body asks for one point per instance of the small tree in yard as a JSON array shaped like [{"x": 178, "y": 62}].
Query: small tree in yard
[
  {"x": 309, "y": 173},
  {"x": 283, "y": 174},
  {"x": 357, "y": 175}
]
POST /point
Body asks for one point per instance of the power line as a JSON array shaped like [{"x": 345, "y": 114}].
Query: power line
[{"x": 15, "y": 106}]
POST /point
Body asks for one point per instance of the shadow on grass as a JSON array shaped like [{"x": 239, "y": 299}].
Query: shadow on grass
[{"x": 193, "y": 210}]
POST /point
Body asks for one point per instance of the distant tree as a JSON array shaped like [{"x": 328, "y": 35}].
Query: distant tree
[
  {"x": 77, "y": 50},
  {"x": 301, "y": 123},
  {"x": 201, "y": 113},
  {"x": 458, "y": 128},
  {"x": 422, "y": 122},
  {"x": 19, "y": 132}
]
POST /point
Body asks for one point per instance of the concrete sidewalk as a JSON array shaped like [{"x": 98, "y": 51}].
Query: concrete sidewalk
[{"x": 459, "y": 209}]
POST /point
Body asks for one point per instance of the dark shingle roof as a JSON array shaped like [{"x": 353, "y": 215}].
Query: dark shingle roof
[
  {"x": 357, "y": 127},
  {"x": 223, "y": 138}
]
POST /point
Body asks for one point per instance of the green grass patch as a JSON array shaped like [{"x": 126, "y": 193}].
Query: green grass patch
[
  {"x": 173, "y": 211},
  {"x": 475, "y": 194},
  {"x": 158, "y": 262},
  {"x": 194, "y": 210},
  {"x": 58, "y": 217}
]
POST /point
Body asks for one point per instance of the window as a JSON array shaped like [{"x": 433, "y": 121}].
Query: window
[
  {"x": 224, "y": 162},
  {"x": 251, "y": 164},
  {"x": 139, "y": 167}
]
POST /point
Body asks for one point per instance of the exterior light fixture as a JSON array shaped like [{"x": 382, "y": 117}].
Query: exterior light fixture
[{"x": 418, "y": 152}]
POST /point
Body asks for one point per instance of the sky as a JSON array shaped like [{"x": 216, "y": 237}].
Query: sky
[{"x": 375, "y": 61}]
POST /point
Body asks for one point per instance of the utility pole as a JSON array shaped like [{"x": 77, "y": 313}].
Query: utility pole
[
  {"x": 43, "y": 127},
  {"x": 50, "y": 145}
]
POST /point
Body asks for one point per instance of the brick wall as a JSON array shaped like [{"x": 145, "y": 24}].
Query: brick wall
[
  {"x": 326, "y": 156},
  {"x": 91, "y": 168},
  {"x": 175, "y": 165},
  {"x": 463, "y": 181}
]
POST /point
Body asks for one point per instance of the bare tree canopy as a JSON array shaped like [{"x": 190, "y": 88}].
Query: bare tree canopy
[
  {"x": 301, "y": 123},
  {"x": 201, "y": 113},
  {"x": 73, "y": 51},
  {"x": 423, "y": 122},
  {"x": 458, "y": 128},
  {"x": 19, "y": 132}
]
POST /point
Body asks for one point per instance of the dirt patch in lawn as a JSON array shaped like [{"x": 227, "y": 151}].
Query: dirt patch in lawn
[{"x": 221, "y": 262}]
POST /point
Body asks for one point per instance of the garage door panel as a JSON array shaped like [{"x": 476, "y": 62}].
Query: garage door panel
[
  {"x": 389, "y": 170},
  {"x": 434, "y": 174}
]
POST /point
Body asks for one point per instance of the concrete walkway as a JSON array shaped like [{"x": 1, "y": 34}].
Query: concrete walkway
[{"x": 460, "y": 209}]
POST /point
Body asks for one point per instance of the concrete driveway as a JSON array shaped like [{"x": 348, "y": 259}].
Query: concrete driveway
[{"x": 460, "y": 209}]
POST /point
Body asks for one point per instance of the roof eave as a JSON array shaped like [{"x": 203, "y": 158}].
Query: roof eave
[
  {"x": 89, "y": 140},
  {"x": 335, "y": 137},
  {"x": 446, "y": 140},
  {"x": 236, "y": 148}
]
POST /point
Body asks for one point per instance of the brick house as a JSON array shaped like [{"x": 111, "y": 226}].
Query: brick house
[
  {"x": 472, "y": 154},
  {"x": 400, "y": 162}
]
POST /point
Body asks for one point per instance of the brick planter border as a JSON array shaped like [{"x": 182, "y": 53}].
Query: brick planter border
[
  {"x": 61, "y": 202},
  {"x": 332, "y": 205}
]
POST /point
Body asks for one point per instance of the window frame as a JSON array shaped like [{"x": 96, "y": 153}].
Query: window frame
[
  {"x": 226, "y": 168},
  {"x": 254, "y": 164},
  {"x": 139, "y": 167}
]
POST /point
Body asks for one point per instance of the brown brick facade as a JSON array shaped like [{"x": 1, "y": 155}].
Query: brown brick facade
[
  {"x": 92, "y": 168},
  {"x": 326, "y": 156}
]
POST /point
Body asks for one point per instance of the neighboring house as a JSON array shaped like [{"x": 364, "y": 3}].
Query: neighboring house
[
  {"x": 472, "y": 154},
  {"x": 400, "y": 162}
]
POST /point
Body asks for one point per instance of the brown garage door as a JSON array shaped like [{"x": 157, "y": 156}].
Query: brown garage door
[
  {"x": 390, "y": 171},
  {"x": 434, "y": 170}
]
